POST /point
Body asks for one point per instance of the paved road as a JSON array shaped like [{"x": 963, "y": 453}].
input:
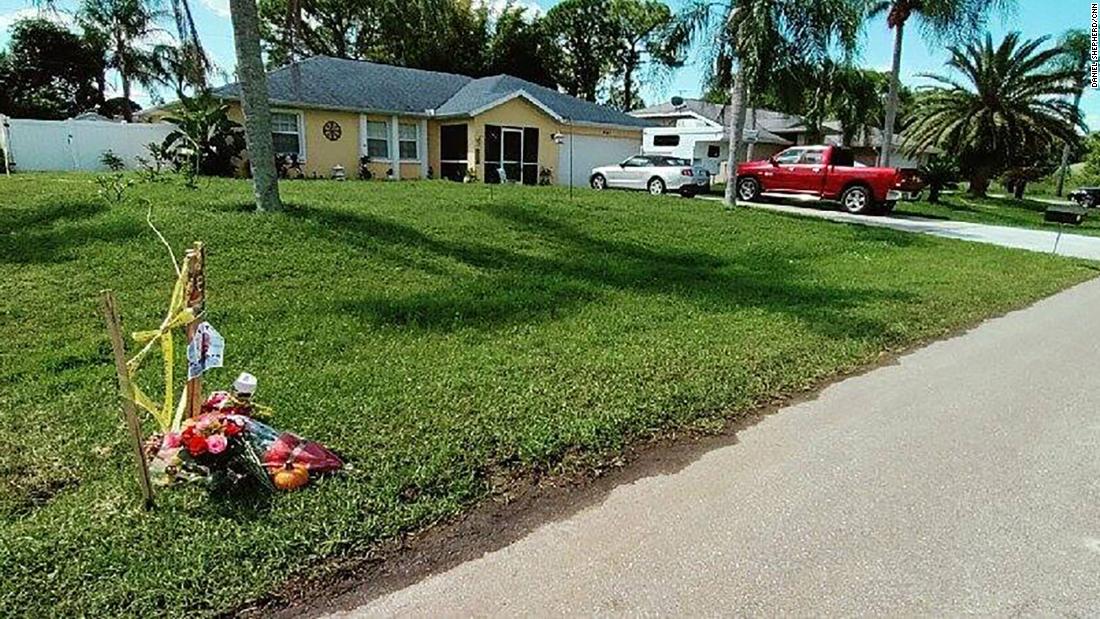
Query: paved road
[
  {"x": 963, "y": 479},
  {"x": 1076, "y": 245}
]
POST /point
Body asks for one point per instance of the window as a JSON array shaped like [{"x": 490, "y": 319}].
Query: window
[
  {"x": 674, "y": 162},
  {"x": 378, "y": 141},
  {"x": 666, "y": 140},
  {"x": 813, "y": 157},
  {"x": 714, "y": 151},
  {"x": 408, "y": 142},
  {"x": 285, "y": 134},
  {"x": 636, "y": 162},
  {"x": 790, "y": 155}
]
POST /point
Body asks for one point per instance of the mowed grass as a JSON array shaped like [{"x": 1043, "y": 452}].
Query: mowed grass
[
  {"x": 439, "y": 337},
  {"x": 1004, "y": 211}
]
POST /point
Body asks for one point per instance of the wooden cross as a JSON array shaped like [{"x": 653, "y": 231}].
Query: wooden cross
[
  {"x": 129, "y": 411},
  {"x": 195, "y": 293}
]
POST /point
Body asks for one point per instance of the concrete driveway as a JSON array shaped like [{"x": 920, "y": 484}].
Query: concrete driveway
[
  {"x": 963, "y": 479},
  {"x": 1075, "y": 245}
]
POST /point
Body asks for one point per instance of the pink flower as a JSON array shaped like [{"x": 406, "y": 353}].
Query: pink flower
[
  {"x": 216, "y": 443},
  {"x": 171, "y": 440}
]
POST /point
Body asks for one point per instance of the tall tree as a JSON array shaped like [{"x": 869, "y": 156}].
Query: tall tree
[
  {"x": 520, "y": 46},
  {"x": 1007, "y": 106},
  {"x": 49, "y": 72},
  {"x": 1077, "y": 47},
  {"x": 255, "y": 104},
  {"x": 438, "y": 35},
  {"x": 753, "y": 37},
  {"x": 939, "y": 20},
  {"x": 125, "y": 29},
  {"x": 639, "y": 27},
  {"x": 588, "y": 44}
]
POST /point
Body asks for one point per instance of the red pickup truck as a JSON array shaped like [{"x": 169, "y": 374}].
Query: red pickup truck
[{"x": 829, "y": 173}]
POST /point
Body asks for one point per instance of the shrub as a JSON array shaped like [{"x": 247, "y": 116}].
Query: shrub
[
  {"x": 112, "y": 161},
  {"x": 205, "y": 141}
]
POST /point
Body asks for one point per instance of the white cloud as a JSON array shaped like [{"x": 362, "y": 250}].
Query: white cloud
[{"x": 217, "y": 7}]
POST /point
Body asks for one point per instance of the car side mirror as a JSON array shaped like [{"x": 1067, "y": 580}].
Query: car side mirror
[{"x": 772, "y": 161}]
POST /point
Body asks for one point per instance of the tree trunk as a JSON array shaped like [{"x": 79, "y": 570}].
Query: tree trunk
[
  {"x": 127, "y": 111},
  {"x": 892, "y": 100},
  {"x": 736, "y": 128},
  {"x": 934, "y": 194},
  {"x": 979, "y": 183},
  {"x": 1062, "y": 169},
  {"x": 628, "y": 86},
  {"x": 1018, "y": 189},
  {"x": 254, "y": 102}
]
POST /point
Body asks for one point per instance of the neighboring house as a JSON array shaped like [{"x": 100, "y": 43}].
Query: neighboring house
[
  {"x": 415, "y": 123},
  {"x": 696, "y": 130}
]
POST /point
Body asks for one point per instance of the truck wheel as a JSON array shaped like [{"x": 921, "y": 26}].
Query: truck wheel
[
  {"x": 748, "y": 189},
  {"x": 857, "y": 200}
]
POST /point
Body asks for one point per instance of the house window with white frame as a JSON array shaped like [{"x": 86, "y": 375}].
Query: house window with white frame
[
  {"x": 408, "y": 141},
  {"x": 286, "y": 134},
  {"x": 378, "y": 139}
]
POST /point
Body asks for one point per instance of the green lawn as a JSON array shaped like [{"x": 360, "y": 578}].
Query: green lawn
[
  {"x": 997, "y": 211},
  {"x": 435, "y": 336}
]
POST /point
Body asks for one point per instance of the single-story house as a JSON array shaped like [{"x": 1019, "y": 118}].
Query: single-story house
[
  {"x": 697, "y": 130},
  {"x": 413, "y": 123}
]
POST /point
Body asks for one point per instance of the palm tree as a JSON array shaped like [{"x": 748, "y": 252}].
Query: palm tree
[
  {"x": 1078, "y": 49},
  {"x": 754, "y": 37},
  {"x": 939, "y": 19},
  {"x": 124, "y": 29},
  {"x": 255, "y": 104},
  {"x": 1009, "y": 104}
]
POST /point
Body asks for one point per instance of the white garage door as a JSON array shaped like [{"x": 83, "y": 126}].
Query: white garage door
[{"x": 590, "y": 151}]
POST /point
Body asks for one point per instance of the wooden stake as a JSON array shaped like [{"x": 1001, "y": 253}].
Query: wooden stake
[
  {"x": 129, "y": 412},
  {"x": 196, "y": 300}
]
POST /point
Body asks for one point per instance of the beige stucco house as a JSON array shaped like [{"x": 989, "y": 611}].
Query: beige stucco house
[{"x": 413, "y": 123}]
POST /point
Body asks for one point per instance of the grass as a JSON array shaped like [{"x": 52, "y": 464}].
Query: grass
[
  {"x": 437, "y": 337},
  {"x": 1005, "y": 211}
]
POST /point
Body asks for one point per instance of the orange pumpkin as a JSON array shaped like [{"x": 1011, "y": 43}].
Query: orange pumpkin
[{"x": 291, "y": 476}]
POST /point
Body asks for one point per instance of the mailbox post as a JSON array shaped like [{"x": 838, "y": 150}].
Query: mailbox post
[{"x": 1062, "y": 215}]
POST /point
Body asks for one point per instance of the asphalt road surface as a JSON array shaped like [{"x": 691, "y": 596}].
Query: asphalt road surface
[{"x": 963, "y": 479}]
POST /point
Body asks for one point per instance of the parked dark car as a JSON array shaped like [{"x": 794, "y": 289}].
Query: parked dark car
[{"x": 1088, "y": 197}]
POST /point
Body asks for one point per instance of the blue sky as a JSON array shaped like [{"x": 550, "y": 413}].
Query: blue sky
[{"x": 1032, "y": 17}]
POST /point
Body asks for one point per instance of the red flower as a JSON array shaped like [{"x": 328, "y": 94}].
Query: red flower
[
  {"x": 232, "y": 428},
  {"x": 196, "y": 445}
]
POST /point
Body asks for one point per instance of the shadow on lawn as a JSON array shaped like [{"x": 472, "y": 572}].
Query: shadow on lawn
[
  {"x": 50, "y": 233},
  {"x": 579, "y": 268}
]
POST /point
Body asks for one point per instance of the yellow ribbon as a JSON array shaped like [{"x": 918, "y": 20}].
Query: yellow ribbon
[{"x": 177, "y": 316}]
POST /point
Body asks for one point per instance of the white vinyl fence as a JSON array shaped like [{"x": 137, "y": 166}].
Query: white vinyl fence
[{"x": 57, "y": 145}]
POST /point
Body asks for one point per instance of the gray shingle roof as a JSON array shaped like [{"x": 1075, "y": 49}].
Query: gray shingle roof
[
  {"x": 322, "y": 81},
  {"x": 487, "y": 90}
]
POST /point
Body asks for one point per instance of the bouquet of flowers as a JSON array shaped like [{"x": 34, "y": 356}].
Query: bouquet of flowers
[{"x": 225, "y": 444}]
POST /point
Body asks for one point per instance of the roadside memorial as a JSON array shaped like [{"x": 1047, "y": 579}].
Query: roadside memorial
[{"x": 216, "y": 440}]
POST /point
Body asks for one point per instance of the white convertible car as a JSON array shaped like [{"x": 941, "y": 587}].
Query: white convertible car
[{"x": 656, "y": 174}]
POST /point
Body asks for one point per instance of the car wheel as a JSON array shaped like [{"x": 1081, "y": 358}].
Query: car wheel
[
  {"x": 656, "y": 186},
  {"x": 598, "y": 182},
  {"x": 748, "y": 189},
  {"x": 857, "y": 200}
]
